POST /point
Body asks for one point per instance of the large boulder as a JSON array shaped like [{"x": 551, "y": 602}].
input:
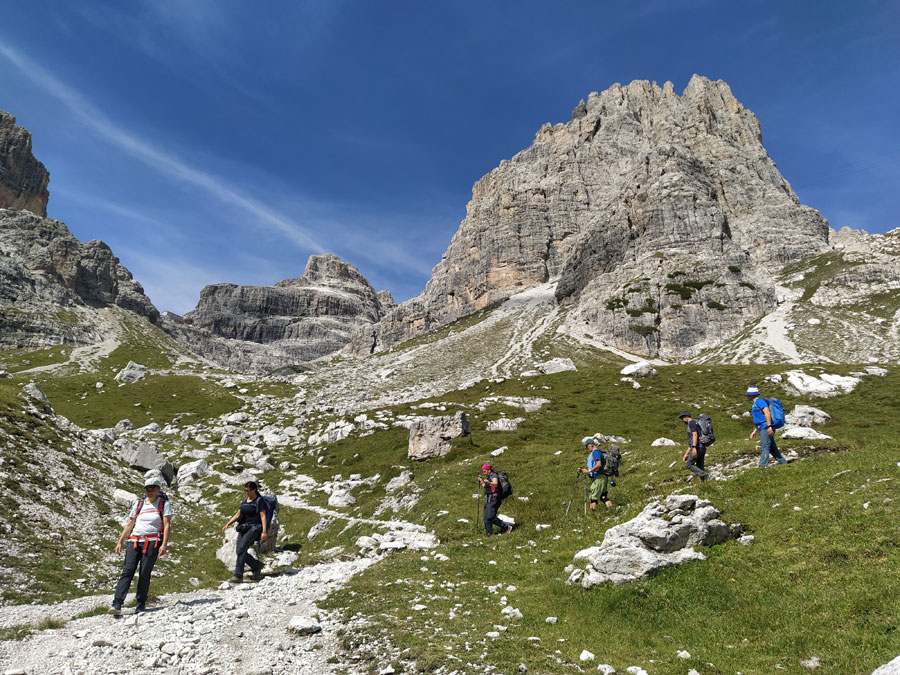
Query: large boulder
[
  {"x": 144, "y": 457},
  {"x": 662, "y": 535},
  {"x": 639, "y": 369},
  {"x": 131, "y": 373},
  {"x": 227, "y": 552},
  {"x": 188, "y": 473},
  {"x": 429, "y": 437},
  {"x": 806, "y": 416}
]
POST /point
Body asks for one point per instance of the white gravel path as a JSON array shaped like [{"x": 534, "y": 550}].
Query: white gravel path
[{"x": 243, "y": 629}]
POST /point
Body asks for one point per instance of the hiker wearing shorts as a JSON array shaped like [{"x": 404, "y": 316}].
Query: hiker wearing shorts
[
  {"x": 251, "y": 526},
  {"x": 695, "y": 455},
  {"x": 490, "y": 482},
  {"x": 147, "y": 535},
  {"x": 762, "y": 425},
  {"x": 594, "y": 469}
]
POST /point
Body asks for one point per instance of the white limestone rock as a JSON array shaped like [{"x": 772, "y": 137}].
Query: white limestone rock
[
  {"x": 133, "y": 372},
  {"x": 33, "y": 390},
  {"x": 660, "y": 536},
  {"x": 124, "y": 498},
  {"x": 639, "y": 369},
  {"x": 429, "y": 436},
  {"x": 188, "y": 473},
  {"x": 662, "y": 442},
  {"x": 304, "y": 625},
  {"x": 805, "y": 433},
  {"x": 557, "y": 365},
  {"x": 806, "y": 416},
  {"x": 505, "y": 424},
  {"x": 341, "y": 497},
  {"x": 398, "y": 482}
]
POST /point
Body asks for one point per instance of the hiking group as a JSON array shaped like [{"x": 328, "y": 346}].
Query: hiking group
[
  {"x": 767, "y": 414},
  {"x": 147, "y": 527},
  {"x": 603, "y": 465},
  {"x": 147, "y": 533}
]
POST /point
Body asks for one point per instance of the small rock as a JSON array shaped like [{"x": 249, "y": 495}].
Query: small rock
[
  {"x": 304, "y": 625},
  {"x": 551, "y": 619},
  {"x": 586, "y": 656},
  {"x": 683, "y": 654}
]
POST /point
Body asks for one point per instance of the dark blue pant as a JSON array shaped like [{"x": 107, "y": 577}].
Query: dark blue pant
[
  {"x": 244, "y": 542},
  {"x": 697, "y": 464},
  {"x": 134, "y": 557},
  {"x": 491, "y": 506}
]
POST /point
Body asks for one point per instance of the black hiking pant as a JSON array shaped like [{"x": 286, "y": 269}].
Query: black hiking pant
[
  {"x": 696, "y": 464},
  {"x": 491, "y": 507},
  {"x": 244, "y": 542},
  {"x": 134, "y": 558}
]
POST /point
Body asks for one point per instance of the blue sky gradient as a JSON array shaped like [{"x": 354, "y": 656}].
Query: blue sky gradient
[{"x": 215, "y": 140}]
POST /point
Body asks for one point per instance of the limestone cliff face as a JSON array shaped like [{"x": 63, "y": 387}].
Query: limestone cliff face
[
  {"x": 298, "y": 319},
  {"x": 642, "y": 192},
  {"x": 45, "y": 271},
  {"x": 23, "y": 179}
]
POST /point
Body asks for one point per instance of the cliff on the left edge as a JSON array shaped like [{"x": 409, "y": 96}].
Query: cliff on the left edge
[{"x": 48, "y": 278}]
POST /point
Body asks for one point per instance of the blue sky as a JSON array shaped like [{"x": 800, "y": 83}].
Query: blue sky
[{"x": 215, "y": 140}]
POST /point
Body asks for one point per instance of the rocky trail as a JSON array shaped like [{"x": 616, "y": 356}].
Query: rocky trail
[{"x": 272, "y": 626}]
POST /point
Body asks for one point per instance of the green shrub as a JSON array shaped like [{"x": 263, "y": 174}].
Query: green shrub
[
  {"x": 712, "y": 304},
  {"x": 643, "y": 330}
]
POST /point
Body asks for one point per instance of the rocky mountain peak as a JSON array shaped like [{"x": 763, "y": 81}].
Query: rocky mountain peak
[
  {"x": 297, "y": 320},
  {"x": 641, "y": 184},
  {"x": 23, "y": 179}
]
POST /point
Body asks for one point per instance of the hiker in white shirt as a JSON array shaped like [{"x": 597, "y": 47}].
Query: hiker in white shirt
[{"x": 147, "y": 535}]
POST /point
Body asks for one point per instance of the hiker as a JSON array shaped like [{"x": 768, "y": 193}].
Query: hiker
[
  {"x": 490, "y": 481},
  {"x": 762, "y": 425},
  {"x": 147, "y": 533},
  {"x": 695, "y": 455},
  {"x": 594, "y": 469},
  {"x": 251, "y": 517}
]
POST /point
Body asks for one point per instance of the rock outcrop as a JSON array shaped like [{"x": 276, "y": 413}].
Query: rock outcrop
[
  {"x": 296, "y": 320},
  {"x": 47, "y": 276},
  {"x": 660, "y": 215},
  {"x": 23, "y": 179},
  {"x": 660, "y": 536},
  {"x": 429, "y": 437}
]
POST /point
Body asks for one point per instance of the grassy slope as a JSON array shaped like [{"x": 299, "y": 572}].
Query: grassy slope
[
  {"x": 819, "y": 581},
  {"x": 816, "y": 581}
]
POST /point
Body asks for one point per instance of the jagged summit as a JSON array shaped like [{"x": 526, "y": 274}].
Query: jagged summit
[
  {"x": 641, "y": 184},
  {"x": 23, "y": 179}
]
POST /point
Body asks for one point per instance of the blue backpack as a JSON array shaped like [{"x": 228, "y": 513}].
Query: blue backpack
[
  {"x": 270, "y": 504},
  {"x": 777, "y": 410}
]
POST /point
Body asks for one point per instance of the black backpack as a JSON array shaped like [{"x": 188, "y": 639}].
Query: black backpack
[
  {"x": 707, "y": 437},
  {"x": 505, "y": 486},
  {"x": 613, "y": 458}
]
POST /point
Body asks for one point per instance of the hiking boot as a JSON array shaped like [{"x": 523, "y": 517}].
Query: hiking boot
[
  {"x": 235, "y": 580},
  {"x": 140, "y": 608},
  {"x": 257, "y": 576},
  {"x": 115, "y": 610}
]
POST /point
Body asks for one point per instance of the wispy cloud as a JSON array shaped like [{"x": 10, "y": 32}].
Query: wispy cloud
[{"x": 165, "y": 163}]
